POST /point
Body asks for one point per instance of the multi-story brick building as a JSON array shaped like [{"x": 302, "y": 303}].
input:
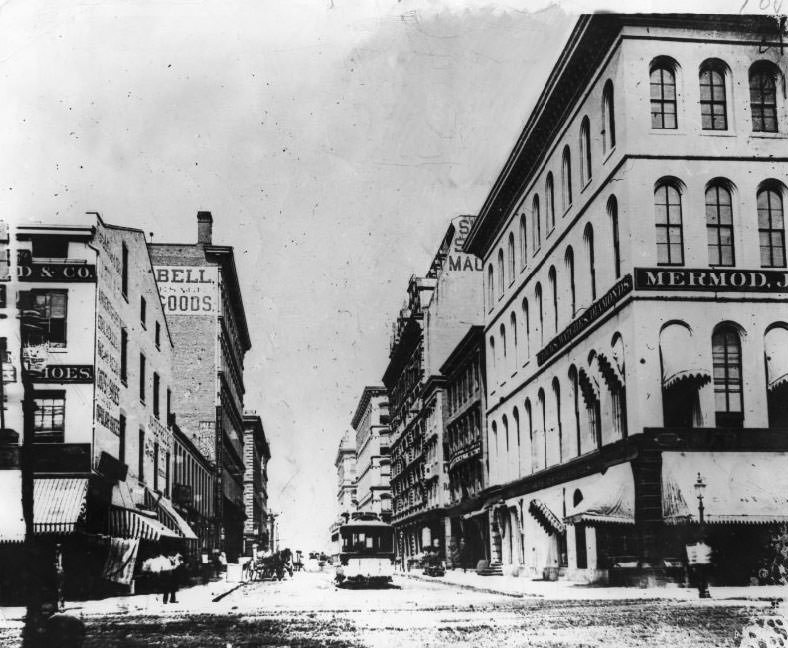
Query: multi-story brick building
[
  {"x": 256, "y": 457},
  {"x": 373, "y": 462},
  {"x": 634, "y": 253},
  {"x": 345, "y": 464},
  {"x": 83, "y": 301},
  {"x": 202, "y": 301}
]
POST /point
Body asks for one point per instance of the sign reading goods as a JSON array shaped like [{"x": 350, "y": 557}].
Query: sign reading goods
[{"x": 188, "y": 290}]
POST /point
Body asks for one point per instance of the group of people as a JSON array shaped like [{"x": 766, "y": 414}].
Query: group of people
[{"x": 167, "y": 570}]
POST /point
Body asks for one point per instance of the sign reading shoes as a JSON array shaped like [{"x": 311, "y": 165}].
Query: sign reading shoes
[
  {"x": 711, "y": 279},
  {"x": 65, "y": 374}
]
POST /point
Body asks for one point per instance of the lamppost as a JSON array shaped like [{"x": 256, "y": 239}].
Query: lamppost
[{"x": 703, "y": 550}]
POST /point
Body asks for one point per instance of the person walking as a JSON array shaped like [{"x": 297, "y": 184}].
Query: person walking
[{"x": 172, "y": 576}]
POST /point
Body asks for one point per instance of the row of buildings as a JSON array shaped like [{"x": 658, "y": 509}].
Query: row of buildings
[
  {"x": 611, "y": 329},
  {"x": 131, "y": 355}
]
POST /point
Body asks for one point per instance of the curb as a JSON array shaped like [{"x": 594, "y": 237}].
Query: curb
[
  {"x": 216, "y": 599},
  {"x": 475, "y": 588}
]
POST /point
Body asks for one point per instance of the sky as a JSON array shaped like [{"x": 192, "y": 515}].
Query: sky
[{"x": 331, "y": 140}]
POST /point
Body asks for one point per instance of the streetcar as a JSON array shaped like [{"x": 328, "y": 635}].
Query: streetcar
[{"x": 367, "y": 553}]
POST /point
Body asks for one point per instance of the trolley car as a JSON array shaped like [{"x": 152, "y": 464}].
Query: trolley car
[{"x": 367, "y": 555}]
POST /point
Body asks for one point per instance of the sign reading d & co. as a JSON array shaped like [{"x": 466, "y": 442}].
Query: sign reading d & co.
[
  {"x": 65, "y": 374},
  {"x": 65, "y": 272},
  {"x": 711, "y": 279}
]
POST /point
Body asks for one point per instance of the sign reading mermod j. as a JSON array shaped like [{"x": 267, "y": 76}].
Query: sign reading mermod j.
[
  {"x": 711, "y": 279},
  {"x": 188, "y": 290}
]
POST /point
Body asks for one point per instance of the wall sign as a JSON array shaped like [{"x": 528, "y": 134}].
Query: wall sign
[
  {"x": 585, "y": 319},
  {"x": 188, "y": 290},
  {"x": 711, "y": 279},
  {"x": 60, "y": 272},
  {"x": 66, "y": 374}
]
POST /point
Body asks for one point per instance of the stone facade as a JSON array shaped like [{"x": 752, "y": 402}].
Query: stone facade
[
  {"x": 256, "y": 457},
  {"x": 373, "y": 464}
]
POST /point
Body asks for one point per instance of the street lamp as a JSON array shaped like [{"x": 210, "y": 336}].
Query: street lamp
[{"x": 703, "y": 550}]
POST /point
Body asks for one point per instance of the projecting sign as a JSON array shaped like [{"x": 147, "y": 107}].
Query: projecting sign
[
  {"x": 711, "y": 279},
  {"x": 65, "y": 374},
  {"x": 188, "y": 290}
]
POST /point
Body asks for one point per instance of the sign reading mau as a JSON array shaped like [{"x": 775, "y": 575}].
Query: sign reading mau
[{"x": 188, "y": 290}]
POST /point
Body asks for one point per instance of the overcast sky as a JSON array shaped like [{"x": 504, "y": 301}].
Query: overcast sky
[{"x": 332, "y": 141}]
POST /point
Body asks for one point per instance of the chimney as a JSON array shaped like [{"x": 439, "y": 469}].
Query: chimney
[{"x": 204, "y": 228}]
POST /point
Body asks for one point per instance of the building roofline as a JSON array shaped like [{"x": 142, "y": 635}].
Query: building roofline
[
  {"x": 258, "y": 431},
  {"x": 474, "y": 335},
  {"x": 366, "y": 397}
]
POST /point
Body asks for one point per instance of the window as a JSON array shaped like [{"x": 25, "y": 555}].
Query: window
[
  {"x": 588, "y": 235},
  {"x": 169, "y": 410},
  {"x": 51, "y": 308},
  {"x": 608, "y": 118},
  {"x": 771, "y": 229},
  {"x": 156, "y": 466},
  {"x": 523, "y": 242},
  {"x": 156, "y": 394},
  {"x": 529, "y": 415},
  {"x": 549, "y": 199},
  {"x": 558, "y": 428},
  {"x": 500, "y": 273},
  {"x": 663, "y": 95},
  {"x": 513, "y": 326},
  {"x": 50, "y": 247},
  {"x": 719, "y": 225},
  {"x": 142, "y": 378},
  {"x": 124, "y": 349},
  {"x": 585, "y": 152},
  {"x": 511, "y": 258},
  {"x": 504, "y": 364},
  {"x": 763, "y": 97},
  {"x": 167, "y": 474},
  {"x": 573, "y": 383},
  {"x": 538, "y": 294},
  {"x": 527, "y": 321},
  {"x": 536, "y": 226},
  {"x": 157, "y": 335},
  {"x": 490, "y": 286},
  {"x": 492, "y": 352},
  {"x": 566, "y": 179},
  {"x": 569, "y": 259},
  {"x": 612, "y": 211},
  {"x": 141, "y": 456},
  {"x": 713, "y": 108},
  {"x": 124, "y": 271},
  {"x": 122, "y": 439},
  {"x": 143, "y": 311},
  {"x": 551, "y": 277},
  {"x": 726, "y": 360},
  {"x": 49, "y": 417},
  {"x": 670, "y": 244}
]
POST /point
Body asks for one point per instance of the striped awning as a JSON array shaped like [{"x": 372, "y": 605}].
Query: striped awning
[
  {"x": 166, "y": 510},
  {"x": 546, "y": 517},
  {"x": 59, "y": 504},
  {"x": 124, "y": 523},
  {"x": 12, "y": 519}
]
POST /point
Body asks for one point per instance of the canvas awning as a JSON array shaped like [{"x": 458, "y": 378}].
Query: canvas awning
[
  {"x": 165, "y": 509},
  {"x": 122, "y": 497},
  {"x": 124, "y": 523},
  {"x": 610, "y": 371},
  {"x": 681, "y": 357},
  {"x": 776, "y": 345},
  {"x": 59, "y": 504},
  {"x": 608, "y": 498},
  {"x": 741, "y": 487},
  {"x": 12, "y": 519},
  {"x": 546, "y": 517}
]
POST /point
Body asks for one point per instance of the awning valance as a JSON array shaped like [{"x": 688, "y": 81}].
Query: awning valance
[
  {"x": 610, "y": 371},
  {"x": 124, "y": 523},
  {"x": 166, "y": 510},
  {"x": 682, "y": 357},
  {"x": 59, "y": 504},
  {"x": 608, "y": 498},
  {"x": 741, "y": 487},
  {"x": 776, "y": 345},
  {"x": 12, "y": 519},
  {"x": 588, "y": 387},
  {"x": 546, "y": 517}
]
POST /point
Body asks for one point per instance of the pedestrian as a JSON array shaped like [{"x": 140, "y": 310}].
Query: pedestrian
[{"x": 171, "y": 577}]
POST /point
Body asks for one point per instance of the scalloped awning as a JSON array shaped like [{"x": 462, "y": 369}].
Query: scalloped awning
[
  {"x": 546, "y": 517},
  {"x": 682, "y": 357},
  {"x": 609, "y": 498},
  {"x": 776, "y": 344}
]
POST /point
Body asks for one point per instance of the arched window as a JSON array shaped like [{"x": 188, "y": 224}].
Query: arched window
[
  {"x": 549, "y": 199},
  {"x": 763, "y": 96},
  {"x": 608, "y": 118},
  {"x": 713, "y": 104},
  {"x": 612, "y": 212},
  {"x": 496, "y": 461},
  {"x": 536, "y": 227},
  {"x": 726, "y": 361},
  {"x": 501, "y": 279},
  {"x": 585, "y": 151},
  {"x": 575, "y": 395},
  {"x": 540, "y": 445},
  {"x": 776, "y": 352},
  {"x": 569, "y": 259},
  {"x": 529, "y": 415},
  {"x": 538, "y": 295},
  {"x": 566, "y": 179},
  {"x": 558, "y": 427},
  {"x": 505, "y": 422},
  {"x": 511, "y": 258},
  {"x": 670, "y": 241},
  {"x": 523, "y": 242},
  {"x": 527, "y": 322},
  {"x": 771, "y": 227},
  {"x": 516, "y": 417},
  {"x": 504, "y": 364},
  {"x": 515, "y": 351},
  {"x": 492, "y": 353},
  {"x": 663, "y": 93},
  {"x": 553, "y": 280},
  {"x": 719, "y": 224},
  {"x": 684, "y": 372},
  {"x": 490, "y": 286},
  {"x": 588, "y": 235}
]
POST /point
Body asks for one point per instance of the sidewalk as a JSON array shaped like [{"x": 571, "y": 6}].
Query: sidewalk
[
  {"x": 519, "y": 586},
  {"x": 197, "y": 598}
]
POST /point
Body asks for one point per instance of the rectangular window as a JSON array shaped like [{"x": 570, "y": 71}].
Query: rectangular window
[
  {"x": 156, "y": 394},
  {"x": 122, "y": 441},
  {"x": 124, "y": 271},
  {"x": 141, "y": 456},
  {"x": 124, "y": 348},
  {"x": 156, "y": 466},
  {"x": 169, "y": 406},
  {"x": 51, "y": 309},
  {"x": 167, "y": 474},
  {"x": 142, "y": 378},
  {"x": 49, "y": 417},
  {"x": 143, "y": 311},
  {"x": 157, "y": 335},
  {"x": 50, "y": 247}
]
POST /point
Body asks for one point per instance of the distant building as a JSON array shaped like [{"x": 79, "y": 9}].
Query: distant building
[
  {"x": 373, "y": 463},
  {"x": 256, "y": 457},
  {"x": 345, "y": 464},
  {"x": 203, "y": 304}
]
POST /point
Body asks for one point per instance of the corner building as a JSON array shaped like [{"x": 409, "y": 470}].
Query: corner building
[
  {"x": 635, "y": 300},
  {"x": 202, "y": 300},
  {"x": 373, "y": 462}
]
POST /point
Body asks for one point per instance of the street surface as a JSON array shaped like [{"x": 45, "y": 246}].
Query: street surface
[{"x": 309, "y": 611}]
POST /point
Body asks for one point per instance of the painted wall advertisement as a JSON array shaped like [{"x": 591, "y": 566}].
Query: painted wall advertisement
[{"x": 188, "y": 290}]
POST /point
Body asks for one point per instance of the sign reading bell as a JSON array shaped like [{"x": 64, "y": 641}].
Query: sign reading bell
[{"x": 188, "y": 290}]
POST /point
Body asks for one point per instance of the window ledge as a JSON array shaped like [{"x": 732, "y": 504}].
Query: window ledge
[
  {"x": 717, "y": 133},
  {"x": 586, "y": 185},
  {"x": 566, "y": 211},
  {"x": 768, "y": 135},
  {"x": 57, "y": 350},
  {"x": 608, "y": 155},
  {"x": 668, "y": 131}
]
